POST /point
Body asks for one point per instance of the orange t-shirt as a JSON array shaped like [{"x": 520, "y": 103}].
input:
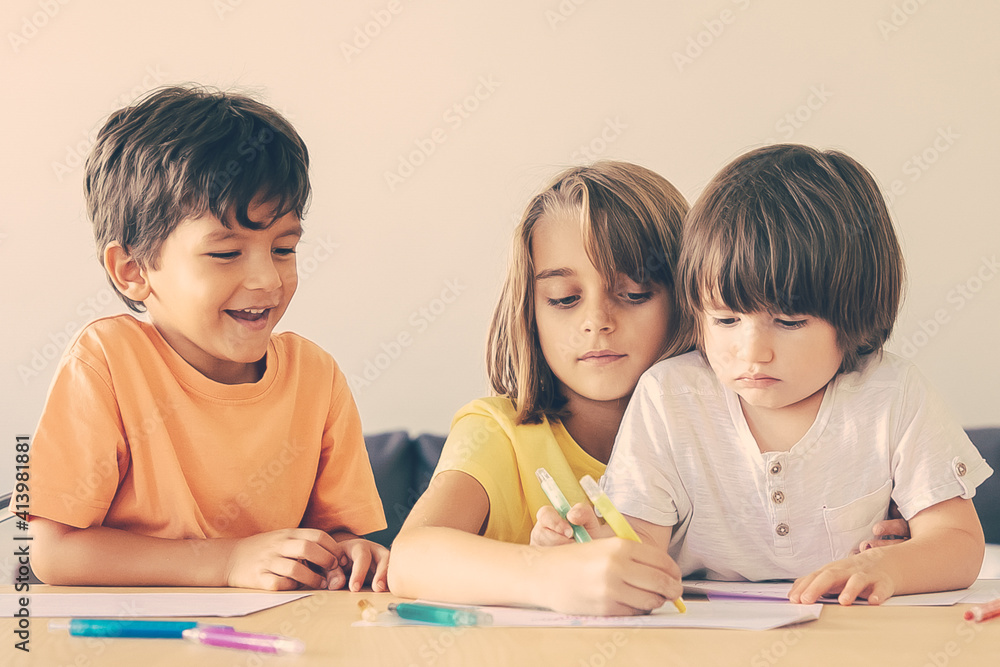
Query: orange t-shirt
[{"x": 133, "y": 437}]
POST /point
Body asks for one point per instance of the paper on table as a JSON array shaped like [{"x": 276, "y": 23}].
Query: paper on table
[
  {"x": 700, "y": 614},
  {"x": 983, "y": 590},
  {"x": 778, "y": 591},
  {"x": 138, "y": 605}
]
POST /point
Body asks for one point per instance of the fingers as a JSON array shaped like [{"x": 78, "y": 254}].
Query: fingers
[
  {"x": 878, "y": 543},
  {"x": 894, "y": 527},
  {"x": 297, "y": 572},
  {"x": 815, "y": 586},
  {"x": 362, "y": 560},
  {"x": 550, "y": 520},
  {"x": 550, "y": 529},
  {"x": 651, "y": 577},
  {"x": 657, "y": 559},
  {"x": 380, "y": 580},
  {"x": 323, "y": 540},
  {"x": 336, "y": 579},
  {"x": 299, "y": 548},
  {"x": 366, "y": 558},
  {"x": 584, "y": 515},
  {"x": 881, "y": 591},
  {"x": 851, "y": 579}
]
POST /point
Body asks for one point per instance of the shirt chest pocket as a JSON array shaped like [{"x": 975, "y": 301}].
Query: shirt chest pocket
[{"x": 850, "y": 524}]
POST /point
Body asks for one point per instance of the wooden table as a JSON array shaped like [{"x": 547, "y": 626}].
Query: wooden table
[{"x": 933, "y": 636}]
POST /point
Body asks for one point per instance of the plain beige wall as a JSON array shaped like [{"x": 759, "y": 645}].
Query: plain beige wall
[{"x": 908, "y": 88}]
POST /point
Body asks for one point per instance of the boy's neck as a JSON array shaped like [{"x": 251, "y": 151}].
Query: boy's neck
[{"x": 778, "y": 429}]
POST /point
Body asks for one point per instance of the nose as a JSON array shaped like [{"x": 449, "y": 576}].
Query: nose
[
  {"x": 754, "y": 346},
  {"x": 598, "y": 316},
  {"x": 262, "y": 273}
]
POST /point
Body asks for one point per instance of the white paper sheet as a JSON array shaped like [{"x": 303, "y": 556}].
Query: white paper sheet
[
  {"x": 138, "y": 605},
  {"x": 982, "y": 590},
  {"x": 700, "y": 614}
]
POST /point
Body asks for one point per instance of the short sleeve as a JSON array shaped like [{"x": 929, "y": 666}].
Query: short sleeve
[
  {"x": 79, "y": 451},
  {"x": 642, "y": 479},
  {"x": 934, "y": 460},
  {"x": 480, "y": 447},
  {"x": 344, "y": 495}
]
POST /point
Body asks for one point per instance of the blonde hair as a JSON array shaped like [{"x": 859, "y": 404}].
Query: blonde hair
[
  {"x": 630, "y": 218},
  {"x": 792, "y": 229}
]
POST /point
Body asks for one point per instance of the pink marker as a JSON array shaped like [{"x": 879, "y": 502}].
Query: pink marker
[
  {"x": 983, "y": 612},
  {"x": 245, "y": 641}
]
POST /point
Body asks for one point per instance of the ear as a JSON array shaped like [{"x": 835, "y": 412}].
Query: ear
[{"x": 126, "y": 273}]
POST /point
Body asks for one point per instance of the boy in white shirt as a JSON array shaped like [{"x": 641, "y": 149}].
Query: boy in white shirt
[{"x": 773, "y": 450}]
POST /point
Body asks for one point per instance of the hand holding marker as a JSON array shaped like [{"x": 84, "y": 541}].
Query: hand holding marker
[
  {"x": 615, "y": 519},
  {"x": 559, "y": 502}
]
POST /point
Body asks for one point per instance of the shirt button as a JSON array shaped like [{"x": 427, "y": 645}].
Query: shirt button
[
  {"x": 781, "y": 529},
  {"x": 777, "y": 497},
  {"x": 776, "y": 467},
  {"x": 960, "y": 469}
]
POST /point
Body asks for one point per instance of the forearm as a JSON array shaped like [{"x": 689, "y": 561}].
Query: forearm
[
  {"x": 948, "y": 559},
  {"x": 451, "y": 565},
  {"x": 102, "y": 556}
]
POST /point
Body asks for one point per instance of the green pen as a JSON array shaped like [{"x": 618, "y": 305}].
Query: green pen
[
  {"x": 559, "y": 501},
  {"x": 428, "y": 613}
]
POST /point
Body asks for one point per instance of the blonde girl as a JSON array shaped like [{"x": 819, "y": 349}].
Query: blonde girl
[{"x": 588, "y": 305}]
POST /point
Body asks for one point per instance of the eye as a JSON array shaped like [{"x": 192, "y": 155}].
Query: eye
[
  {"x": 284, "y": 252},
  {"x": 565, "y": 302},
  {"x": 790, "y": 324},
  {"x": 637, "y": 297},
  {"x": 724, "y": 321},
  {"x": 224, "y": 255}
]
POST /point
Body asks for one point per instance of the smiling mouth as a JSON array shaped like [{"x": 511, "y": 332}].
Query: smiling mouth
[{"x": 249, "y": 314}]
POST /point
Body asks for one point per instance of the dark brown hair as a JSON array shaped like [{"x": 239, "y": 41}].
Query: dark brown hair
[
  {"x": 183, "y": 151},
  {"x": 795, "y": 230},
  {"x": 630, "y": 218}
]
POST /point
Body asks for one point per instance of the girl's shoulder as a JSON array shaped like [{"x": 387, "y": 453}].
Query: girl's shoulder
[{"x": 498, "y": 408}]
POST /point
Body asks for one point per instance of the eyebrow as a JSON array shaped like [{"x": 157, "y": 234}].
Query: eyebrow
[
  {"x": 220, "y": 235},
  {"x": 554, "y": 273},
  {"x": 228, "y": 234}
]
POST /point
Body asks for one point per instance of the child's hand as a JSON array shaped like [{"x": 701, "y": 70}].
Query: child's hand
[
  {"x": 369, "y": 562},
  {"x": 611, "y": 577},
  {"x": 857, "y": 576},
  {"x": 551, "y": 530},
  {"x": 280, "y": 560},
  {"x": 888, "y": 532}
]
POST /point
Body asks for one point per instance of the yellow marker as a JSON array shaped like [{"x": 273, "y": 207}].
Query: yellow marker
[
  {"x": 368, "y": 611},
  {"x": 618, "y": 523}
]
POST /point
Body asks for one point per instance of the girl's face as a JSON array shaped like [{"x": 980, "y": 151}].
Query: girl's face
[{"x": 597, "y": 341}]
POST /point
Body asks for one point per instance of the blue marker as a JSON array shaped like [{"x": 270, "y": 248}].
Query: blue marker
[
  {"x": 428, "y": 613},
  {"x": 124, "y": 627}
]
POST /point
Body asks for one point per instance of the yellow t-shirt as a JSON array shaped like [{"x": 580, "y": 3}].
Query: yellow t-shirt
[
  {"x": 133, "y": 437},
  {"x": 486, "y": 443}
]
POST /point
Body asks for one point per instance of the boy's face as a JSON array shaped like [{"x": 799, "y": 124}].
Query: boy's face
[
  {"x": 770, "y": 360},
  {"x": 218, "y": 292},
  {"x": 596, "y": 341}
]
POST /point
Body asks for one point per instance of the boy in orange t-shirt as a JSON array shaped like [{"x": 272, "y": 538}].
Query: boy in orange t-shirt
[{"x": 200, "y": 449}]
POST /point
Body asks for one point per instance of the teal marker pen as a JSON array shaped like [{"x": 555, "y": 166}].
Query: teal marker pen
[
  {"x": 559, "y": 501},
  {"x": 127, "y": 627},
  {"x": 415, "y": 611}
]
